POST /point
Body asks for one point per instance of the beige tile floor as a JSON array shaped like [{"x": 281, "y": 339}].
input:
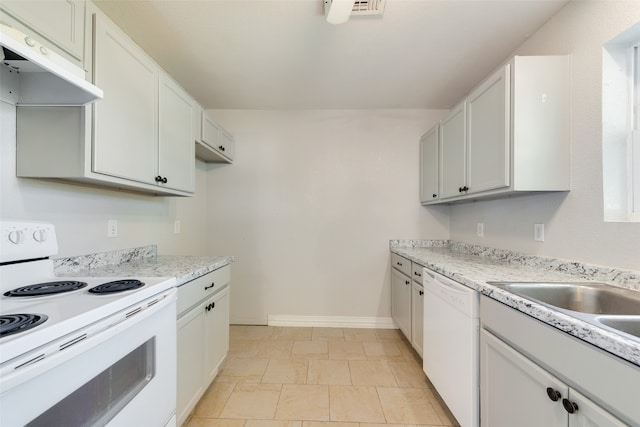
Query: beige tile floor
[{"x": 320, "y": 377}]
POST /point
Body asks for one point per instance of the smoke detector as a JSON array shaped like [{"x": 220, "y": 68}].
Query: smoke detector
[{"x": 339, "y": 11}]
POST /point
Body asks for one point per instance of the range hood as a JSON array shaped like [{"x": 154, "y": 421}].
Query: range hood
[{"x": 39, "y": 76}]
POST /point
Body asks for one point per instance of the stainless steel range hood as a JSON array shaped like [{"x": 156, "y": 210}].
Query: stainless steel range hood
[{"x": 39, "y": 76}]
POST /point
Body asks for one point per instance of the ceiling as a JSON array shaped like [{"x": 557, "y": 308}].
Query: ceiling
[{"x": 282, "y": 54}]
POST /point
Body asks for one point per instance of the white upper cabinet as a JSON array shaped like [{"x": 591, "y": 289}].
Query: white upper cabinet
[
  {"x": 453, "y": 147},
  {"x": 488, "y": 134},
  {"x": 213, "y": 143},
  {"x": 510, "y": 134},
  {"x": 139, "y": 137},
  {"x": 125, "y": 122},
  {"x": 175, "y": 140},
  {"x": 430, "y": 165},
  {"x": 58, "y": 22}
]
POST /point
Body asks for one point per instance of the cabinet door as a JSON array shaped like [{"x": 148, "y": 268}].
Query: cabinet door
[
  {"x": 176, "y": 152},
  {"x": 217, "y": 332},
  {"x": 429, "y": 165},
  {"x": 190, "y": 360},
  {"x": 125, "y": 122},
  {"x": 417, "y": 317},
  {"x": 488, "y": 118},
  {"x": 453, "y": 147},
  {"x": 401, "y": 301},
  {"x": 227, "y": 144},
  {"x": 61, "y": 22},
  {"x": 514, "y": 389},
  {"x": 589, "y": 414}
]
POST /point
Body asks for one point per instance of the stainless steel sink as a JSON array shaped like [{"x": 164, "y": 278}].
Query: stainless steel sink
[
  {"x": 592, "y": 298},
  {"x": 603, "y": 305},
  {"x": 627, "y": 324}
]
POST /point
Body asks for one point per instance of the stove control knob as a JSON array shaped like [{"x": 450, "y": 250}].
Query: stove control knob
[
  {"x": 16, "y": 236},
  {"x": 40, "y": 235}
]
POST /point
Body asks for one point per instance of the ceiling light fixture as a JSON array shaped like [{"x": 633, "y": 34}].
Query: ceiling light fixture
[{"x": 339, "y": 10}]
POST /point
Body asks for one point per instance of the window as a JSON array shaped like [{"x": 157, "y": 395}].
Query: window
[{"x": 621, "y": 126}]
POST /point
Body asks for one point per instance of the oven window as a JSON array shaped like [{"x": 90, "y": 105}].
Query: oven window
[{"x": 101, "y": 398}]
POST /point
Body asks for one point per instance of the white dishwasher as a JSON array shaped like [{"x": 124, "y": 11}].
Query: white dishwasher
[{"x": 451, "y": 344}]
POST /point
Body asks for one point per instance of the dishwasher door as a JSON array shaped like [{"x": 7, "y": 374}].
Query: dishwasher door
[{"x": 451, "y": 345}]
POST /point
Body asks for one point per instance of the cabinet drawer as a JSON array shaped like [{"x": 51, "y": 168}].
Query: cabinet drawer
[
  {"x": 416, "y": 273},
  {"x": 205, "y": 286},
  {"x": 401, "y": 264}
]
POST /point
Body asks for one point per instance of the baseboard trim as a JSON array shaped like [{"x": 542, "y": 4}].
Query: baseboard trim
[{"x": 331, "y": 321}]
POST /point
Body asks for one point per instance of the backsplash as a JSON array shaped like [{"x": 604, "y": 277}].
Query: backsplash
[{"x": 71, "y": 265}]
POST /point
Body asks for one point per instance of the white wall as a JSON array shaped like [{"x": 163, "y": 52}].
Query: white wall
[
  {"x": 80, "y": 213},
  {"x": 309, "y": 206},
  {"x": 574, "y": 226}
]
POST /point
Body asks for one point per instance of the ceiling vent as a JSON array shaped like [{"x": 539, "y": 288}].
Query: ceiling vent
[
  {"x": 360, "y": 7},
  {"x": 368, "y": 7}
]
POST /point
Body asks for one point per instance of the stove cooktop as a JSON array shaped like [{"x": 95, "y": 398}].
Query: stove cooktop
[{"x": 60, "y": 314}]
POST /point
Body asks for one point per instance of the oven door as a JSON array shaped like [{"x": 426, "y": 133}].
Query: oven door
[{"x": 123, "y": 376}]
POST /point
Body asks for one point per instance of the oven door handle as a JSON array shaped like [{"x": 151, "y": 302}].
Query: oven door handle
[{"x": 60, "y": 351}]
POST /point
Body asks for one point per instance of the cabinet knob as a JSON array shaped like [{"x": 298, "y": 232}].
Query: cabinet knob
[
  {"x": 406, "y": 282},
  {"x": 463, "y": 189},
  {"x": 164, "y": 180},
  {"x": 158, "y": 178},
  {"x": 210, "y": 286},
  {"x": 221, "y": 147},
  {"x": 553, "y": 394},
  {"x": 434, "y": 195},
  {"x": 420, "y": 292},
  {"x": 399, "y": 263},
  {"x": 569, "y": 406}
]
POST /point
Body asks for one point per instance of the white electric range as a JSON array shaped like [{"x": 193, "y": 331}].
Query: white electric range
[{"x": 104, "y": 348}]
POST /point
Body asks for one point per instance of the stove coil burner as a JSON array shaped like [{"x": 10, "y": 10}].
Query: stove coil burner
[
  {"x": 49, "y": 288},
  {"x": 14, "y": 323},
  {"x": 116, "y": 286}
]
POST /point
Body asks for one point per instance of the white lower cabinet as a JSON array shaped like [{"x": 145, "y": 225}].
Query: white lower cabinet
[
  {"x": 216, "y": 332},
  {"x": 203, "y": 336},
  {"x": 534, "y": 375},
  {"x": 417, "y": 317},
  {"x": 401, "y": 301},
  {"x": 191, "y": 353},
  {"x": 517, "y": 392},
  {"x": 407, "y": 299}
]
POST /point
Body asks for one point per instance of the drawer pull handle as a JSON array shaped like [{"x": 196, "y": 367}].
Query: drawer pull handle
[
  {"x": 406, "y": 282},
  {"x": 417, "y": 274},
  {"x": 421, "y": 292},
  {"x": 210, "y": 286},
  {"x": 221, "y": 147},
  {"x": 210, "y": 307},
  {"x": 554, "y": 395},
  {"x": 399, "y": 263},
  {"x": 569, "y": 406}
]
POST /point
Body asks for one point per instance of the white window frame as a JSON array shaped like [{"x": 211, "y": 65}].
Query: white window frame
[
  {"x": 621, "y": 127},
  {"x": 634, "y": 135}
]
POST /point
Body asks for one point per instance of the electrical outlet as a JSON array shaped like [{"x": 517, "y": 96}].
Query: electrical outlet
[
  {"x": 480, "y": 229},
  {"x": 538, "y": 232},
  {"x": 112, "y": 228},
  {"x": 176, "y": 227}
]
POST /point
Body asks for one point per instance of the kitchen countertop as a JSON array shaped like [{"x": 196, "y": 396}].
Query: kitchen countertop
[
  {"x": 140, "y": 262},
  {"x": 474, "y": 266}
]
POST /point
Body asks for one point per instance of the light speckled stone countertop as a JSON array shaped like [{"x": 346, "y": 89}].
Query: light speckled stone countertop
[
  {"x": 474, "y": 266},
  {"x": 140, "y": 262}
]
